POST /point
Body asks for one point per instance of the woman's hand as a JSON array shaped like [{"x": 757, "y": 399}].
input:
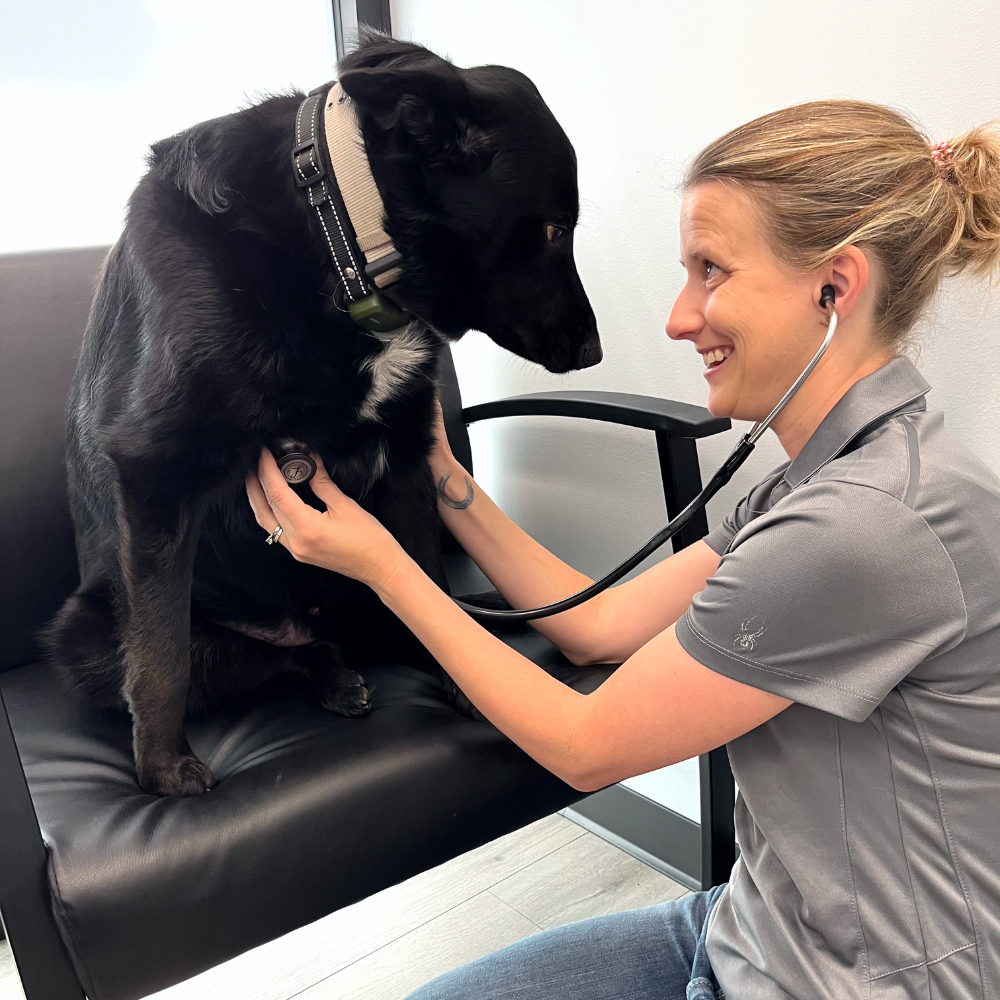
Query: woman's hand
[
  {"x": 344, "y": 538},
  {"x": 447, "y": 472},
  {"x": 441, "y": 459}
]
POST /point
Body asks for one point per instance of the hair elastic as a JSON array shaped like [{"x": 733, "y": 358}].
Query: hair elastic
[{"x": 942, "y": 154}]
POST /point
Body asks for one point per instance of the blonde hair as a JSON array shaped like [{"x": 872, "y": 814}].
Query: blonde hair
[{"x": 829, "y": 174}]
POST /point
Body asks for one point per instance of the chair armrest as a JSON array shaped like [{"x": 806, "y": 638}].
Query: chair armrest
[
  {"x": 665, "y": 416},
  {"x": 676, "y": 425}
]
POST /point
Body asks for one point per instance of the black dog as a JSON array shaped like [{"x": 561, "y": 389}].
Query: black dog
[{"x": 216, "y": 331}]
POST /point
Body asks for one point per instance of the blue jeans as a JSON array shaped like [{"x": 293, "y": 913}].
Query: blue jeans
[{"x": 655, "y": 953}]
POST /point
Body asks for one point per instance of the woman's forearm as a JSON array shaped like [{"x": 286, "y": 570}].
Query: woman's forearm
[
  {"x": 525, "y": 572},
  {"x": 607, "y": 629},
  {"x": 539, "y": 713}
]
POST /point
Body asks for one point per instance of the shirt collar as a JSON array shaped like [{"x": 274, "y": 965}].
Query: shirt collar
[{"x": 896, "y": 387}]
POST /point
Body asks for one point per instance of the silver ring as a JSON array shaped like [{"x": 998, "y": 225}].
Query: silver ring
[{"x": 274, "y": 536}]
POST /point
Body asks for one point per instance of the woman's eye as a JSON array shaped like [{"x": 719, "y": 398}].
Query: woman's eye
[
  {"x": 554, "y": 233},
  {"x": 711, "y": 270}
]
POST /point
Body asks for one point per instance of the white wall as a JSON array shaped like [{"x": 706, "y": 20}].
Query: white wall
[
  {"x": 86, "y": 87},
  {"x": 640, "y": 86}
]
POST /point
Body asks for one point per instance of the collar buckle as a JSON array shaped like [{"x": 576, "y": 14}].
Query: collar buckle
[{"x": 313, "y": 161}]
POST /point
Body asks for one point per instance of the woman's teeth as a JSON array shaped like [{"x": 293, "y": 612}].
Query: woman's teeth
[{"x": 719, "y": 354}]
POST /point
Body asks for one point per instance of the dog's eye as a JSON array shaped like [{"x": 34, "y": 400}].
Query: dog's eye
[{"x": 554, "y": 233}]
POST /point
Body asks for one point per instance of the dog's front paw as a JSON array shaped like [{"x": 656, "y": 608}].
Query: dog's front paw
[
  {"x": 345, "y": 692},
  {"x": 175, "y": 774}
]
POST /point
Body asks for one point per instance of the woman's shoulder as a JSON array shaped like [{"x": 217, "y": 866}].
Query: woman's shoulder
[
  {"x": 910, "y": 495},
  {"x": 917, "y": 461}
]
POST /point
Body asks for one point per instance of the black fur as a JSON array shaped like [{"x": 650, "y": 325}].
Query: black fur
[{"x": 215, "y": 331}]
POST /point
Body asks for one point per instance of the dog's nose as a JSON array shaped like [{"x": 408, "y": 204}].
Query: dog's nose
[{"x": 591, "y": 353}]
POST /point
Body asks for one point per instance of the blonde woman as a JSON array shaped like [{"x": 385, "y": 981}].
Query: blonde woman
[{"x": 839, "y": 631}]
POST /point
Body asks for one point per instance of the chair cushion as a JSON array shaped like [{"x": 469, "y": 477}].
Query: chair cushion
[{"x": 311, "y": 812}]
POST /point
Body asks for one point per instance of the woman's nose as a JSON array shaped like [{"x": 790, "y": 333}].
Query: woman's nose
[{"x": 685, "y": 319}]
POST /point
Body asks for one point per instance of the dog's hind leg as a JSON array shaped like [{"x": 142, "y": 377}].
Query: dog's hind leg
[
  {"x": 226, "y": 664},
  {"x": 82, "y": 642}
]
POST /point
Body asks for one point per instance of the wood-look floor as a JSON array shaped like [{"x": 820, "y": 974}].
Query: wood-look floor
[{"x": 547, "y": 874}]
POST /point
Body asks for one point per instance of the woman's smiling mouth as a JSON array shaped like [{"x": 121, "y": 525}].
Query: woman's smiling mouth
[{"x": 715, "y": 358}]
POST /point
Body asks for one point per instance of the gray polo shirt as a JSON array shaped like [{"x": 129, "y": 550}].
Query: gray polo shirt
[{"x": 862, "y": 581}]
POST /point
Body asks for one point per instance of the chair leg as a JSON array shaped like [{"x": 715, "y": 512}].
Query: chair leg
[
  {"x": 718, "y": 829},
  {"x": 681, "y": 478},
  {"x": 25, "y": 900}
]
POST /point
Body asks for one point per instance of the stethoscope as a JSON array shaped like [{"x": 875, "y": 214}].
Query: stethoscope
[
  {"x": 722, "y": 476},
  {"x": 298, "y": 467}
]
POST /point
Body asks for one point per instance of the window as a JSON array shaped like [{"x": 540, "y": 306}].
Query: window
[{"x": 85, "y": 88}]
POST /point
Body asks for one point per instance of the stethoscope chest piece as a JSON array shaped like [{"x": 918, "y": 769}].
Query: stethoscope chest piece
[{"x": 294, "y": 461}]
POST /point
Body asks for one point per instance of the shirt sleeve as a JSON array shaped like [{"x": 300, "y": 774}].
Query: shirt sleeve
[
  {"x": 829, "y": 600},
  {"x": 720, "y": 537}
]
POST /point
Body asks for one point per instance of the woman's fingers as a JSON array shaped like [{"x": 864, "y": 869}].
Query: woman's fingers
[
  {"x": 258, "y": 501},
  {"x": 288, "y": 509},
  {"x": 440, "y": 434},
  {"x": 441, "y": 454},
  {"x": 346, "y": 539},
  {"x": 323, "y": 486}
]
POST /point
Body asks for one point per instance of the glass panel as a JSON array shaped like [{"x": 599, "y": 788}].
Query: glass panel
[
  {"x": 86, "y": 87},
  {"x": 676, "y": 787}
]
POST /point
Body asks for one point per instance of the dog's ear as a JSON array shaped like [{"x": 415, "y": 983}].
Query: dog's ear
[
  {"x": 196, "y": 162},
  {"x": 428, "y": 101}
]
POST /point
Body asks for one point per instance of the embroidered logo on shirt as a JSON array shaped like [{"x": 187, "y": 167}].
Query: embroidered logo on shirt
[{"x": 746, "y": 639}]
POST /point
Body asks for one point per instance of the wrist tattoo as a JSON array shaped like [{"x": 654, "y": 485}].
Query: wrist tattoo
[{"x": 456, "y": 504}]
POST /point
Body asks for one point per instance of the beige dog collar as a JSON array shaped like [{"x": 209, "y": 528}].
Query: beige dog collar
[{"x": 364, "y": 205}]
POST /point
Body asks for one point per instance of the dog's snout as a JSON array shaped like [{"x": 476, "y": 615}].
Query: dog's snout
[{"x": 591, "y": 353}]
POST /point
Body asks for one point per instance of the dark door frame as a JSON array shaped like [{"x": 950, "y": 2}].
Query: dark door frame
[{"x": 374, "y": 13}]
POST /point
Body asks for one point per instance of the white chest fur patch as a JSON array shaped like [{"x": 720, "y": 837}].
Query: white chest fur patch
[{"x": 393, "y": 367}]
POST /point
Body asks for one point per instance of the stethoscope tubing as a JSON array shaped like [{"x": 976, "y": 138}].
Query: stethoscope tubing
[{"x": 722, "y": 476}]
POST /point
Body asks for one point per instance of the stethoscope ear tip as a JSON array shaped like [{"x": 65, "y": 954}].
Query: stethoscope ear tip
[{"x": 827, "y": 296}]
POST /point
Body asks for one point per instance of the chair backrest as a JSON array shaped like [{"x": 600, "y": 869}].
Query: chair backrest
[{"x": 44, "y": 302}]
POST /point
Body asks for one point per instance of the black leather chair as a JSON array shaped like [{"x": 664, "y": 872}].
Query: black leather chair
[{"x": 107, "y": 891}]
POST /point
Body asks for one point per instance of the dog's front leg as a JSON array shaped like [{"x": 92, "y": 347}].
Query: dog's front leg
[{"x": 158, "y": 538}]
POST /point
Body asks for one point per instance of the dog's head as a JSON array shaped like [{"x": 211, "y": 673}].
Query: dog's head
[{"x": 479, "y": 184}]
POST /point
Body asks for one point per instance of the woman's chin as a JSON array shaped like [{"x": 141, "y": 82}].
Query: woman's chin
[
  {"x": 720, "y": 403},
  {"x": 726, "y": 400}
]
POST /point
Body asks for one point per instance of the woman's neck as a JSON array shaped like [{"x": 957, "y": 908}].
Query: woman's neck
[{"x": 820, "y": 393}]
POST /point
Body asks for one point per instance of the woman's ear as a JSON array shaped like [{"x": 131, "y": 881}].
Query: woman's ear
[{"x": 849, "y": 273}]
